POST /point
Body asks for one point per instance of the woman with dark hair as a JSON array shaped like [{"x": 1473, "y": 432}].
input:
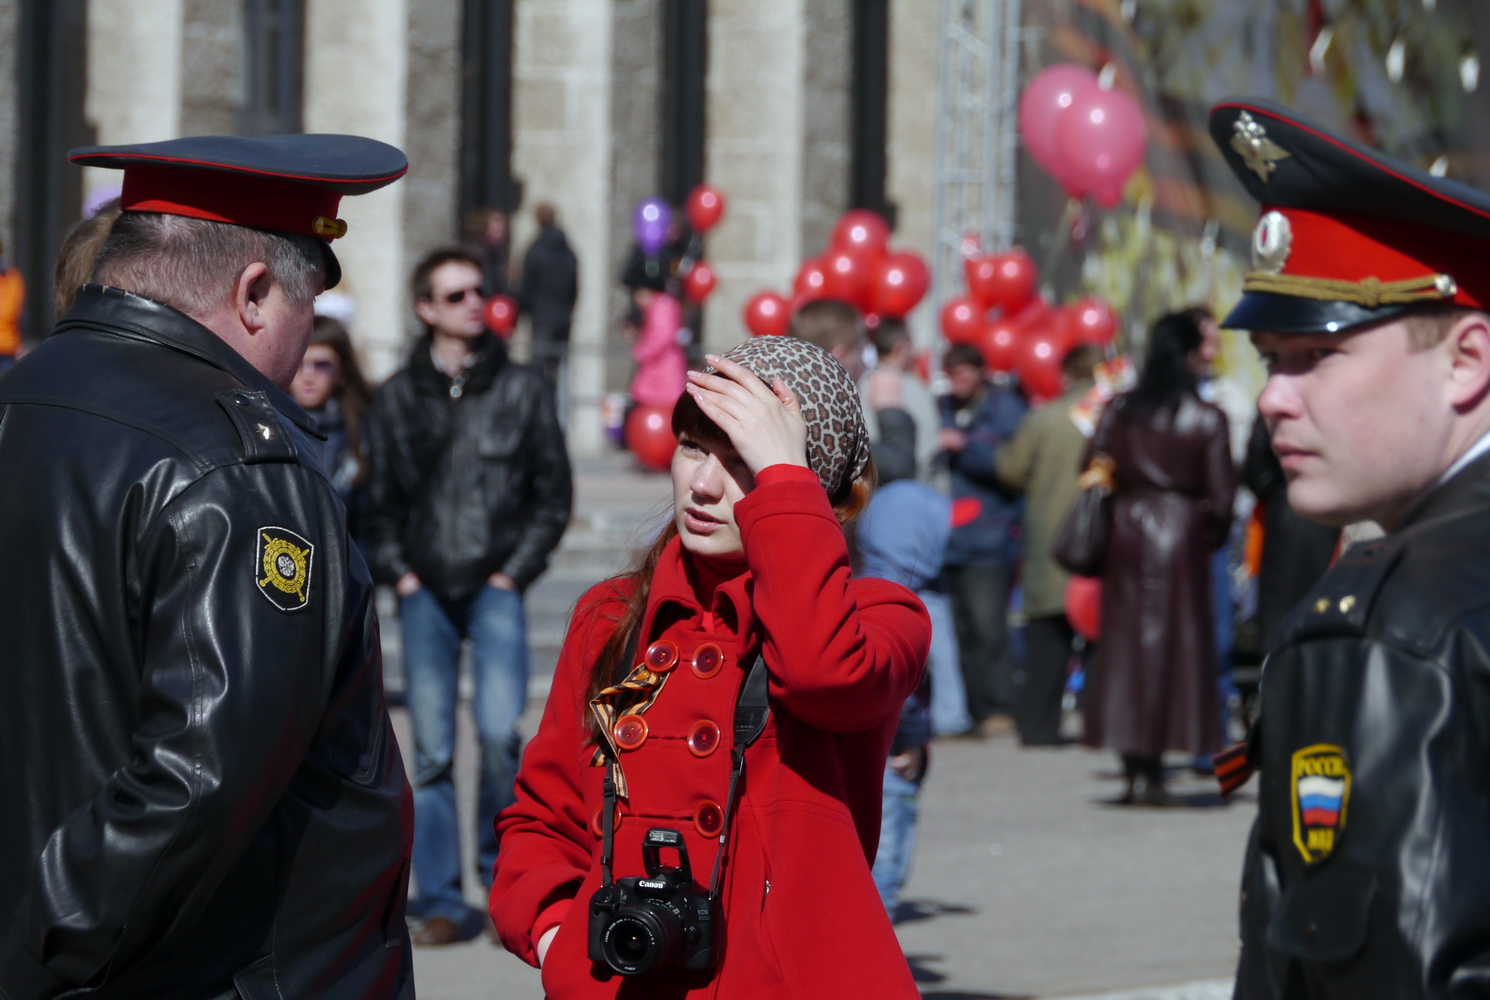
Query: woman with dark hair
[
  {"x": 631, "y": 790},
  {"x": 1154, "y": 685},
  {"x": 331, "y": 388}
]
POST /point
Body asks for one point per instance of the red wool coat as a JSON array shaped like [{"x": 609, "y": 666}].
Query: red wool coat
[{"x": 802, "y": 917}]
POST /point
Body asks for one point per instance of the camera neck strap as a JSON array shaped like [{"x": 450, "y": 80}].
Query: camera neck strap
[{"x": 751, "y": 712}]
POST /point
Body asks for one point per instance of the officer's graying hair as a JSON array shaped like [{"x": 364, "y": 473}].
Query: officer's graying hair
[{"x": 192, "y": 264}]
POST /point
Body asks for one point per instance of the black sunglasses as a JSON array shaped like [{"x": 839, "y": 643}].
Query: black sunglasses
[{"x": 453, "y": 297}]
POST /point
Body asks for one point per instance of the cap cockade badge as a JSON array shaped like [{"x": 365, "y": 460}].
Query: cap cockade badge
[
  {"x": 1271, "y": 242},
  {"x": 282, "y": 570},
  {"x": 1261, "y": 154}
]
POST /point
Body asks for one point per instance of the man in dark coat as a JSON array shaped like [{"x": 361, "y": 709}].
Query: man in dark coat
[
  {"x": 549, "y": 288},
  {"x": 1368, "y": 869},
  {"x": 202, "y": 794},
  {"x": 469, "y": 491}
]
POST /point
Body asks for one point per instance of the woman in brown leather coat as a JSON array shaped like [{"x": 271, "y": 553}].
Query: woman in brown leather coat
[{"x": 1154, "y": 686}]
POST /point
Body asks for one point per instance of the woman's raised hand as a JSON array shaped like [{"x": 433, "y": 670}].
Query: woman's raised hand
[{"x": 764, "y": 423}]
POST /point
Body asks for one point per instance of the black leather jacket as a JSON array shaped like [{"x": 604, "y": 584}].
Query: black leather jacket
[
  {"x": 1368, "y": 871},
  {"x": 468, "y": 477},
  {"x": 202, "y": 796}
]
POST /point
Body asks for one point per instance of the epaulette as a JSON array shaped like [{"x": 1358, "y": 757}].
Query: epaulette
[
  {"x": 1340, "y": 604},
  {"x": 260, "y": 429}
]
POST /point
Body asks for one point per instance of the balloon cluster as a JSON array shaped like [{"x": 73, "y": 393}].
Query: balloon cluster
[
  {"x": 1089, "y": 138},
  {"x": 1017, "y": 330},
  {"x": 858, "y": 268},
  {"x": 648, "y": 433}
]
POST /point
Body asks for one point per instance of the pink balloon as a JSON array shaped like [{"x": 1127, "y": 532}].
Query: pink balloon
[
  {"x": 1048, "y": 94},
  {"x": 1100, "y": 140}
]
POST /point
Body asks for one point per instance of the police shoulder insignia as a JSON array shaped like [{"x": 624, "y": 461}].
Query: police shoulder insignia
[
  {"x": 282, "y": 569},
  {"x": 1319, "y": 780}
]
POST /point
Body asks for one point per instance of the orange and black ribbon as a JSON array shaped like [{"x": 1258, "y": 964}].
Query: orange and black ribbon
[
  {"x": 632, "y": 696},
  {"x": 1233, "y": 768}
]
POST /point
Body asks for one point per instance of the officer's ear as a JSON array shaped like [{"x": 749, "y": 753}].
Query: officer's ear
[
  {"x": 249, "y": 293},
  {"x": 1468, "y": 344}
]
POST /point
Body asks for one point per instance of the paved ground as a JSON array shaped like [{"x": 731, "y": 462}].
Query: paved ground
[{"x": 1026, "y": 884}]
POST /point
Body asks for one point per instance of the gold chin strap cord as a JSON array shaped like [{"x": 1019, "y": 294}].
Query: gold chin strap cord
[{"x": 1368, "y": 292}]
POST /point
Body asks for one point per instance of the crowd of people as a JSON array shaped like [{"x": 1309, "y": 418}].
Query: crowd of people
[{"x": 208, "y": 799}]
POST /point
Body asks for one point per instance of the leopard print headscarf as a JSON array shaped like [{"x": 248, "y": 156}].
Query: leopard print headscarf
[{"x": 837, "y": 441}]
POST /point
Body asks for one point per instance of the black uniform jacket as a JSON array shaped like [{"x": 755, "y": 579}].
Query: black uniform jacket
[
  {"x": 1368, "y": 870},
  {"x": 469, "y": 476},
  {"x": 201, "y": 793}
]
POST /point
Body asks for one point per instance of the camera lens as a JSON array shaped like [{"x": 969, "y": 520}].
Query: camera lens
[{"x": 639, "y": 939}]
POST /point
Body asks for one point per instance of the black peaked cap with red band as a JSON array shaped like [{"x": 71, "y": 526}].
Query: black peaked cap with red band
[
  {"x": 283, "y": 183},
  {"x": 1348, "y": 236}
]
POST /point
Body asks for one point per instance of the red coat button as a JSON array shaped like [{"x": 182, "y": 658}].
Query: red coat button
[
  {"x": 630, "y": 732},
  {"x": 708, "y": 819},
  {"x": 598, "y": 828},
  {"x": 661, "y": 656},
  {"x": 703, "y": 738},
  {"x": 707, "y": 660}
]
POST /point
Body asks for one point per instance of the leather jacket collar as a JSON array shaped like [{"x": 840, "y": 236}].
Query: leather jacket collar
[
  {"x": 488, "y": 358},
  {"x": 1467, "y": 491},
  {"x": 132, "y": 315}
]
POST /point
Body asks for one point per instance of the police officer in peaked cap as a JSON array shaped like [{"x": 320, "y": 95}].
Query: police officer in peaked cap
[
  {"x": 201, "y": 794},
  {"x": 1368, "y": 870}
]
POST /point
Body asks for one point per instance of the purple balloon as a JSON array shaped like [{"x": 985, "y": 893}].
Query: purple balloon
[{"x": 649, "y": 222}]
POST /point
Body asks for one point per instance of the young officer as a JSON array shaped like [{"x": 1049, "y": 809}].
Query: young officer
[{"x": 1368, "y": 870}]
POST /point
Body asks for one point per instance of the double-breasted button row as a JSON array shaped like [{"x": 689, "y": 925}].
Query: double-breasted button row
[
  {"x": 662, "y": 656},
  {"x": 630, "y": 732},
  {"x": 708, "y": 819}
]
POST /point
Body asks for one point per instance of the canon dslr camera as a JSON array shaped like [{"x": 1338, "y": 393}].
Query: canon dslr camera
[{"x": 640, "y": 924}]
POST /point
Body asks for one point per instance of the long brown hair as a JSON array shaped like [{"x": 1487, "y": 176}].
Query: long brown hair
[
  {"x": 610, "y": 666},
  {"x": 351, "y": 393}
]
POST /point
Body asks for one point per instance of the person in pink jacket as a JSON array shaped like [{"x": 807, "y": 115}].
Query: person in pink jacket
[
  {"x": 752, "y": 565},
  {"x": 661, "y": 365}
]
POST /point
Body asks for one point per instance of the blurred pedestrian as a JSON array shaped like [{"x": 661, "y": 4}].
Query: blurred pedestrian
[
  {"x": 547, "y": 293},
  {"x": 203, "y": 796},
  {"x": 1043, "y": 461},
  {"x": 837, "y": 328},
  {"x": 743, "y": 609},
  {"x": 469, "y": 491},
  {"x": 12, "y": 301},
  {"x": 331, "y": 388},
  {"x": 487, "y": 237},
  {"x": 80, "y": 246},
  {"x": 977, "y": 417},
  {"x": 1366, "y": 872},
  {"x": 1154, "y": 685},
  {"x": 661, "y": 365},
  {"x": 892, "y": 384}
]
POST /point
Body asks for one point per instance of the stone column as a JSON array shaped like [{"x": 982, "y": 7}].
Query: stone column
[
  {"x": 10, "y": 120},
  {"x": 212, "y": 70},
  {"x": 357, "y": 81},
  {"x": 915, "y": 55},
  {"x": 584, "y": 123},
  {"x": 778, "y": 112}
]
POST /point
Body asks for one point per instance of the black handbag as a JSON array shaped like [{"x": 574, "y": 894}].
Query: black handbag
[{"x": 1081, "y": 543}]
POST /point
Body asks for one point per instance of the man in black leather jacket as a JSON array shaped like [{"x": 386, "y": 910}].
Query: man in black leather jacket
[
  {"x": 1368, "y": 870},
  {"x": 202, "y": 795},
  {"x": 469, "y": 492}
]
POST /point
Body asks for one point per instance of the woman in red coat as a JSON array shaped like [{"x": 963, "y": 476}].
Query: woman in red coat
[{"x": 753, "y": 563}]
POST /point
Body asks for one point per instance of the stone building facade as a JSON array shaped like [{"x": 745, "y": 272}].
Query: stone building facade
[{"x": 578, "y": 90}]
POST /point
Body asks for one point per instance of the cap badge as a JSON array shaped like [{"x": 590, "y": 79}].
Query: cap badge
[
  {"x": 285, "y": 559},
  {"x": 1271, "y": 242},
  {"x": 1258, "y": 152},
  {"x": 331, "y": 229}
]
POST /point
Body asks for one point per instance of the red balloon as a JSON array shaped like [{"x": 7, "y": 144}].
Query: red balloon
[
  {"x": 500, "y": 314},
  {"x": 1004, "y": 281},
  {"x": 649, "y": 436},
  {"x": 705, "y": 208},
  {"x": 1034, "y": 315},
  {"x": 1044, "y": 101},
  {"x": 1100, "y": 140},
  {"x": 1084, "y": 606},
  {"x": 767, "y": 314},
  {"x": 899, "y": 283},
  {"x": 846, "y": 276},
  {"x": 810, "y": 280},
  {"x": 962, "y": 320},
  {"x": 1000, "y": 345},
  {"x": 861, "y": 231},
  {"x": 1091, "y": 321},
  {"x": 1038, "y": 363},
  {"x": 700, "y": 281}
]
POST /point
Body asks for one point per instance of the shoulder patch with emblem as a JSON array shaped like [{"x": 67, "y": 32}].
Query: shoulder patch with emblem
[
  {"x": 1319, "y": 780},
  {"x": 282, "y": 569}
]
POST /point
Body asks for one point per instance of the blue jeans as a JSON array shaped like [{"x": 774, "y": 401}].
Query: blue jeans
[
  {"x": 948, "y": 697},
  {"x": 892, "y": 862},
  {"x": 433, "y": 629}
]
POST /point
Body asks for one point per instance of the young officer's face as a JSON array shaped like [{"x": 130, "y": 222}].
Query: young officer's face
[
  {"x": 708, "y": 479},
  {"x": 1360, "y": 420}
]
